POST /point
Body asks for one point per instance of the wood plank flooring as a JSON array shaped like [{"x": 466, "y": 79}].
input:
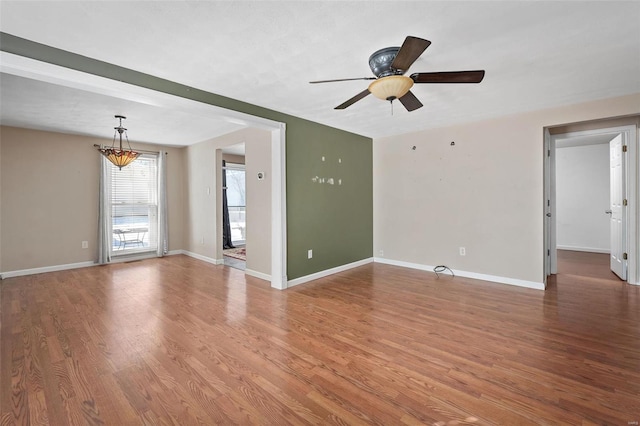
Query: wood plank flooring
[{"x": 176, "y": 341}]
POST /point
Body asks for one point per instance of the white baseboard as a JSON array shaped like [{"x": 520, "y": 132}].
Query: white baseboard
[
  {"x": 132, "y": 257},
  {"x": 203, "y": 258},
  {"x": 587, "y": 249},
  {"x": 328, "y": 272},
  {"x": 44, "y": 269},
  {"x": 257, "y": 274},
  {"x": 114, "y": 260},
  {"x": 301, "y": 280},
  {"x": 466, "y": 274}
]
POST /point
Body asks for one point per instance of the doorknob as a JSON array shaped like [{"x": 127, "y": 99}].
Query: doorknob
[
  {"x": 608, "y": 211},
  {"x": 548, "y": 214}
]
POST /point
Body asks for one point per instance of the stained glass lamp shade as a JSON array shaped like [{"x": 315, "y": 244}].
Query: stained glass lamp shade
[{"x": 119, "y": 156}]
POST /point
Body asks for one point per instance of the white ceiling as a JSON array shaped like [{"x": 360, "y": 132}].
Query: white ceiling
[
  {"x": 536, "y": 55},
  {"x": 41, "y": 105}
]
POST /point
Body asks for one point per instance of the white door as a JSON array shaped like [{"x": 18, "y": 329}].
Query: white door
[{"x": 618, "y": 210}]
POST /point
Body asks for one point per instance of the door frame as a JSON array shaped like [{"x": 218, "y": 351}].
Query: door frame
[{"x": 630, "y": 139}]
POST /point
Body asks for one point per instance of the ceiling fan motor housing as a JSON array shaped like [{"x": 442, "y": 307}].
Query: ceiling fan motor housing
[{"x": 380, "y": 62}]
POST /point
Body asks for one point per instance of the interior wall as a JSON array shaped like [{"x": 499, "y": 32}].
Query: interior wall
[
  {"x": 200, "y": 205},
  {"x": 484, "y": 193},
  {"x": 258, "y": 231},
  {"x": 49, "y": 198},
  {"x": 203, "y": 184},
  {"x": 334, "y": 220},
  {"x": 582, "y": 197},
  {"x": 338, "y": 227},
  {"x": 603, "y": 123},
  {"x": 236, "y": 159}
]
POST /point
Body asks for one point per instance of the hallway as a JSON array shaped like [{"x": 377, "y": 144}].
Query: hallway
[{"x": 592, "y": 266}]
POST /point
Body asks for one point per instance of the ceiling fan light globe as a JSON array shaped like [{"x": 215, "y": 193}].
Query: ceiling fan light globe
[{"x": 394, "y": 87}]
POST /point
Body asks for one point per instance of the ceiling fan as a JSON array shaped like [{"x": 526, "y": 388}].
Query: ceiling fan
[{"x": 389, "y": 66}]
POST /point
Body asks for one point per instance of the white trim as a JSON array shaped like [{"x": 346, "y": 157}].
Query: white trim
[
  {"x": 466, "y": 274},
  {"x": 553, "y": 196},
  {"x": 55, "y": 268},
  {"x": 328, "y": 272},
  {"x": 585, "y": 249},
  {"x": 546, "y": 206},
  {"x": 203, "y": 258},
  {"x": 257, "y": 274},
  {"x": 633, "y": 228},
  {"x": 278, "y": 209},
  {"x": 632, "y": 168},
  {"x": 123, "y": 258},
  {"x": 42, "y": 71}
]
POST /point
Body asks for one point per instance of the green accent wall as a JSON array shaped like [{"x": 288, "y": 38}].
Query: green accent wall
[{"x": 335, "y": 221}]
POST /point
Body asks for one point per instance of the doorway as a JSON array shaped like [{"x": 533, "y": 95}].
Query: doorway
[
  {"x": 234, "y": 207},
  {"x": 590, "y": 201},
  {"x": 235, "y": 190}
]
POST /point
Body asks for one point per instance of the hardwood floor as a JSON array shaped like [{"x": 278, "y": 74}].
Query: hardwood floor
[
  {"x": 235, "y": 263},
  {"x": 179, "y": 341}
]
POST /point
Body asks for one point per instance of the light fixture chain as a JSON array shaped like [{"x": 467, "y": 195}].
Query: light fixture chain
[{"x": 127, "y": 137}]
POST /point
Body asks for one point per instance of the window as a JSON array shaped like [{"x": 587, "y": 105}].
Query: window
[
  {"x": 133, "y": 206},
  {"x": 236, "y": 185}
]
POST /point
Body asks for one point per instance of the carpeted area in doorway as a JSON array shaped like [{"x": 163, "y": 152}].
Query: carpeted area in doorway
[{"x": 236, "y": 253}]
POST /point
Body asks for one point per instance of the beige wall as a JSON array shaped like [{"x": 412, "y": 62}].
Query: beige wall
[
  {"x": 200, "y": 203},
  {"x": 236, "y": 159},
  {"x": 49, "y": 198},
  {"x": 201, "y": 220},
  {"x": 258, "y": 159},
  {"x": 633, "y": 120},
  {"x": 484, "y": 194}
]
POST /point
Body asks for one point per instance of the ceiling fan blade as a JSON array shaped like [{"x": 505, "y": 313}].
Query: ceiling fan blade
[
  {"x": 410, "y": 102},
  {"x": 448, "y": 77},
  {"x": 411, "y": 49},
  {"x": 342, "y": 79},
  {"x": 353, "y": 100}
]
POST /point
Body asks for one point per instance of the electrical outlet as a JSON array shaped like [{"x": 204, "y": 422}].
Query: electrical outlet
[
  {"x": 381, "y": 252},
  {"x": 309, "y": 254},
  {"x": 463, "y": 251},
  {"x": 85, "y": 244},
  {"x": 202, "y": 241}
]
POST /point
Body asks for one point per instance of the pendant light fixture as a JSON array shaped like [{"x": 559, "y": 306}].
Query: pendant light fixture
[{"x": 118, "y": 156}]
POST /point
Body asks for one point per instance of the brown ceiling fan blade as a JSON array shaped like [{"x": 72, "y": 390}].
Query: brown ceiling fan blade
[
  {"x": 410, "y": 102},
  {"x": 342, "y": 79},
  {"x": 448, "y": 77},
  {"x": 353, "y": 100},
  {"x": 411, "y": 49}
]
